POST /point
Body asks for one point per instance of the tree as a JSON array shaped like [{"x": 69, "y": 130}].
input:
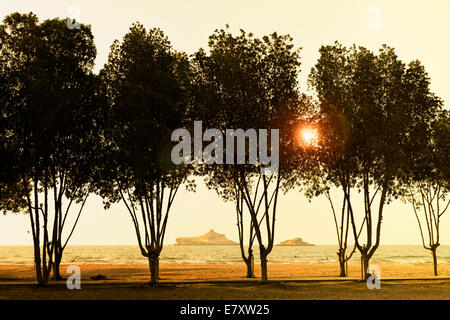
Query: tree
[
  {"x": 336, "y": 167},
  {"x": 372, "y": 96},
  {"x": 147, "y": 85},
  {"x": 249, "y": 83},
  {"x": 427, "y": 182},
  {"x": 51, "y": 118}
]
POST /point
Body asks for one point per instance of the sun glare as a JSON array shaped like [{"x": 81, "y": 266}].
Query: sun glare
[{"x": 308, "y": 136}]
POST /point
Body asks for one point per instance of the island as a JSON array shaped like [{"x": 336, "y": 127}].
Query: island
[
  {"x": 210, "y": 238},
  {"x": 295, "y": 242}
]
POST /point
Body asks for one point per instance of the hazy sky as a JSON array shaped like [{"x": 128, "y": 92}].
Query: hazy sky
[{"x": 416, "y": 29}]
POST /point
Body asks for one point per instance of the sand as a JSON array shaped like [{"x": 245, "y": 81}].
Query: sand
[
  {"x": 219, "y": 281},
  {"x": 231, "y": 272}
]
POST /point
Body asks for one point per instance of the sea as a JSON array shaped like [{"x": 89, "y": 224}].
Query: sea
[{"x": 173, "y": 254}]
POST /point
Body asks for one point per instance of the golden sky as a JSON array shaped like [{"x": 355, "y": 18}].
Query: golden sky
[{"x": 416, "y": 29}]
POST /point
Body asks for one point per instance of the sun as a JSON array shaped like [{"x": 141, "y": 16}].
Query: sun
[{"x": 308, "y": 136}]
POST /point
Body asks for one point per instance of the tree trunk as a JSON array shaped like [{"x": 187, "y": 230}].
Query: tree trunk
[
  {"x": 433, "y": 253},
  {"x": 346, "y": 267},
  {"x": 153, "y": 261},
  {"x": 365, "y": 259},
  {"x": 263, "y": 258},
  {"x": 56, "y": 265},
  {"x": 250, "y": 265},
  {"x": 46, "y": 279},
  {"x": 342, "y": 267},
  {"x": 37, "y": 266}
]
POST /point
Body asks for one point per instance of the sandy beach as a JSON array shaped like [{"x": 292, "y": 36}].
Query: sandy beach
[
  {"x": 288, "y": 281},
  {"x": 229, "y": 272}
]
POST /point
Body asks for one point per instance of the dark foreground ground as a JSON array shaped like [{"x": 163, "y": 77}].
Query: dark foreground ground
[
  {"x": 404, "y": 289},
  {"x": 220, "y": 281}
]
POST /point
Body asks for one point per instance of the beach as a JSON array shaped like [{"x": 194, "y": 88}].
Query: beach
[{"x": 227, "y": 281}]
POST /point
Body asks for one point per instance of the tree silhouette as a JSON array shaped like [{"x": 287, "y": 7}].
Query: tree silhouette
[
  {"x": 248, "y": 83},
  {"x": 427, "y": 180},
  {"x": 373, "y": 97},
  {"x": 146, "y": 83},
  {"x": 51, "y": 124}
]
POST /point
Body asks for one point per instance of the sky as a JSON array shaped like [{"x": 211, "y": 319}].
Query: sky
[{"x": 416, "y": 29}]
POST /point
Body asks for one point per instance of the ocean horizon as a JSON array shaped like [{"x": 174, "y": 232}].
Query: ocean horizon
[{"x": 176, "y": 254}]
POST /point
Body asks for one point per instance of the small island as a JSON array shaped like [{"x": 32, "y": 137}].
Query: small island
[
  {"x": 210, "y": 238},
  {"x": 295, "y": 242}
]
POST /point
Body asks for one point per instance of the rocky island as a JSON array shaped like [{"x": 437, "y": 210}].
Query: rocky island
[
  {"x": 295, "y": 242},
  {"x": 211, "y": 238}
]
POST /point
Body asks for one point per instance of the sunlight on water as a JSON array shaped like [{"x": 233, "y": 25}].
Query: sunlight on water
[{"x": 23, "y": 255}]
